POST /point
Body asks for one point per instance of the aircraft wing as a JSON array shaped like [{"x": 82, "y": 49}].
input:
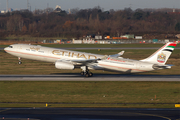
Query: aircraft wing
[
  {"x": 86, "y": 61},
  {"x": 117, "y": 55},
  {"x": 89, "y": 60},
  {"x": 82, "y": 61}
]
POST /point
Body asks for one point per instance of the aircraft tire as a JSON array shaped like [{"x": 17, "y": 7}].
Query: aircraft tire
[
  {"x": 86, "y": 75},
  {"x": 19, "y": 62},
  {"x": 90, "y": 74},
  {"x": 82, "y": 73}
]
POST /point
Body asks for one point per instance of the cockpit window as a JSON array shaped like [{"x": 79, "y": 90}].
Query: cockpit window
[{"x": 10, "y": 46}]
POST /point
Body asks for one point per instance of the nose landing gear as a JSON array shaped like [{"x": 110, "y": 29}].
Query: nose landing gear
[{"x": 19, "y": 61}]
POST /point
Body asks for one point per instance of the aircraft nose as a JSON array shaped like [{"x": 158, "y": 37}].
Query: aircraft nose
[{"x": 5, "y": 49}]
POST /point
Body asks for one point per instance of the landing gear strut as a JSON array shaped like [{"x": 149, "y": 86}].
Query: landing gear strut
[
  {"x": 19, "y": 61},
  {"x": 85, "y": 72}
]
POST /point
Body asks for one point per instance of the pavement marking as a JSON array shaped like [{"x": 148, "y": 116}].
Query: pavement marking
[
  {"x": 5, "y": 110},
  {"x": 154, "y": 115}
]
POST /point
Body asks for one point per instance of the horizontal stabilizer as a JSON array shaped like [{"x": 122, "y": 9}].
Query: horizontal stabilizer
[{"x": 159, "y": 67}]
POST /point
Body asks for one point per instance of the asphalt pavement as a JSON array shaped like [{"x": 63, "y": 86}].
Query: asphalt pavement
[
  {"x": 88, "y": 114},
  {"x": 96, "y": 77}
]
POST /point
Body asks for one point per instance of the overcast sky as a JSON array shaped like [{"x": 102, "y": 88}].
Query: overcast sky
[{"x": 83, "y": 4}]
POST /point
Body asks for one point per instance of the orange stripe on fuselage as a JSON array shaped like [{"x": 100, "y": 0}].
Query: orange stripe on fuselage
[{"x": 32, "y": 54}]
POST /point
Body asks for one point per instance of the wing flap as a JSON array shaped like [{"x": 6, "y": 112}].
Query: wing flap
[{"x": 85, "y": 61}]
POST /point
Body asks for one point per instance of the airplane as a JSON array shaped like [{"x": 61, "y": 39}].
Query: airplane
[{"x": 69, "y": 60}]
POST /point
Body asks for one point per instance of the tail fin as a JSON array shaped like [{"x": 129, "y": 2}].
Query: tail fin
[{"x": 161, "y": 55}]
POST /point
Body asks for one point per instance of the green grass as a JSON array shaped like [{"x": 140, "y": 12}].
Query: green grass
[
  {"x": 3, "y": 46},
  {"x": 54, "y": 105},
  {"x": 92, "y": 93}
]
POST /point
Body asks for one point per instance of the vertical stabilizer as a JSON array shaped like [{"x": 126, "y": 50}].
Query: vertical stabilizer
[{"x": 161, "y": 55}]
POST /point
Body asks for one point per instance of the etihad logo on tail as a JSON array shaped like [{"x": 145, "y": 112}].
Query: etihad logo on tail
[{"x": 161, "y": 58}]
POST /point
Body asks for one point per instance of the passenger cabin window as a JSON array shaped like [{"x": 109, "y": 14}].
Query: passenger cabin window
[{"x": 41, "y": 51}]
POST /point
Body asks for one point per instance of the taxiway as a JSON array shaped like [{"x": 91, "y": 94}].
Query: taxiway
[{"x": 88, "y": 114}]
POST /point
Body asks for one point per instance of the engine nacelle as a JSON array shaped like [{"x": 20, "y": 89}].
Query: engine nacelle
[{"x": 64, "y": 65}]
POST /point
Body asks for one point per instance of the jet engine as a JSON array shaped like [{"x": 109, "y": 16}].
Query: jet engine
[{"x": 64, "y": 65}]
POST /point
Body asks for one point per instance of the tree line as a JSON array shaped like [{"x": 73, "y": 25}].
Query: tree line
[{"x": 89, "y": 22}]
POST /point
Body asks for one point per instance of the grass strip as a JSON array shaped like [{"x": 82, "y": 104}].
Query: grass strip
[
  {"x": 91, "y": 93},
  {"x": 31, "y": 105}
]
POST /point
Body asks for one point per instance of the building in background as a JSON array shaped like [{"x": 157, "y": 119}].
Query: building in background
[{"x": 58, "y": 8}]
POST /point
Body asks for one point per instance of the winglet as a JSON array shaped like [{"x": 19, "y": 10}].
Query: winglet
[
  {"x": 105, "y": 57},
  {"x": 121, "y": 53},
  {"x": 117, "y": 55}
]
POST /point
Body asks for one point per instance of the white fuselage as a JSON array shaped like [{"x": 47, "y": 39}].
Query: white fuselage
[{"x": 47, "y": 54}]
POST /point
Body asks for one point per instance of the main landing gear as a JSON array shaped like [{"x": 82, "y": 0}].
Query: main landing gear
[
  {"x": 19, "y": 61},
  {"x": 85, "y": 72}
]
